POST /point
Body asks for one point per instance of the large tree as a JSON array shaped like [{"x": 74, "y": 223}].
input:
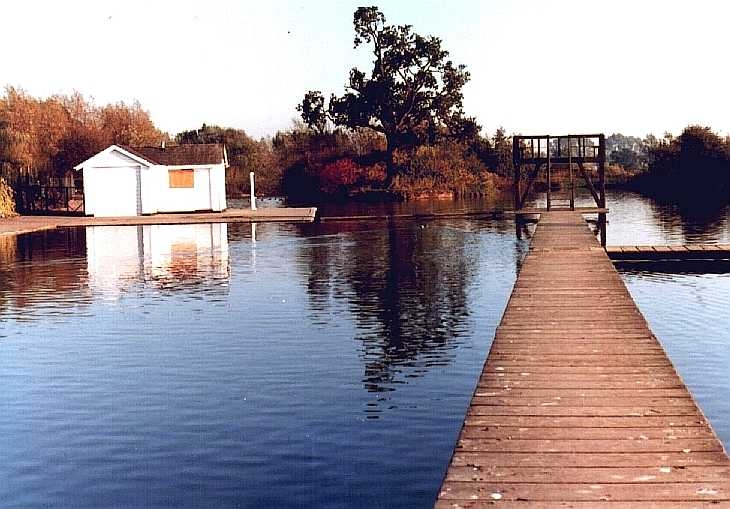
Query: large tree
[{"x": 412, "y": 96}]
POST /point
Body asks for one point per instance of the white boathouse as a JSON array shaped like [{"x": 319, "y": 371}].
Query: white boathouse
[{"x": 132, "y": 181}]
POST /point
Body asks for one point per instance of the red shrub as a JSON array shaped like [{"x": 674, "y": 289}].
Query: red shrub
[{"x": 338, "y": 175}]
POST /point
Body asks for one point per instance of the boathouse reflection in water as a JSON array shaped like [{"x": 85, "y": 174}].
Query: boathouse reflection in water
[{"x": 167, "y": 256}]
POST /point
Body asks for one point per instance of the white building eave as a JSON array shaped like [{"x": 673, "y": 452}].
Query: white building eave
[{"x": 112, "y": 148}]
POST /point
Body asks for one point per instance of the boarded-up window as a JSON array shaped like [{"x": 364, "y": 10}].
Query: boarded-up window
[{"x": 182, "y": 178}]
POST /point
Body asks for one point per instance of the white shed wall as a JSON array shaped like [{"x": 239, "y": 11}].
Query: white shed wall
[
  {"x": 112, "y": 185},
  {"x": 110, "y": 192},
  {"x": 203, "y": 196},
  {"x": 117, "y": 185},
  {"x": 218, "y": 188}
]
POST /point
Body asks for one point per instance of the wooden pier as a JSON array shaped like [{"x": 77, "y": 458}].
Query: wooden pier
[
  {"x": 578, "y": 405},
  {"x": 670, "y": 252},
  {"x": 26, "y": 224}
]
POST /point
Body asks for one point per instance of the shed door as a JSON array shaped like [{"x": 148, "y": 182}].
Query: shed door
[{"x": 118, "y": 192}]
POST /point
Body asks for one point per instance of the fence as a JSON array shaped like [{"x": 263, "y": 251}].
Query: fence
[{"x": 56, "y": 195}]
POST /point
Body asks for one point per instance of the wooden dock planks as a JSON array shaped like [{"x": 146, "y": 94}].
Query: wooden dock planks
[
  {"x": 578, "y": 405},
  {"x": 671, "y": 252},
  {"x": 27, "y": 224}
]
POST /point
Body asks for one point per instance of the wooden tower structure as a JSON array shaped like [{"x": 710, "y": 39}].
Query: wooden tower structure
[{"x": 559, "y": 163}]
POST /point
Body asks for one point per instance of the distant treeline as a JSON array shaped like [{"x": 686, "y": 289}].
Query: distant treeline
[
  {"x": 694, "y": 165},
  {"x": 305, "y": 164},
  {"x": 42, "y": 138}
]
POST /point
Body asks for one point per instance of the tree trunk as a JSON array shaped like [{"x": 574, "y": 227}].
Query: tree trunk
[{"x": 390, "y": 169}]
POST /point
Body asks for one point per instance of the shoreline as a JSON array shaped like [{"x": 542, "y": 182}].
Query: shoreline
[{"x": 19, "y": 225}]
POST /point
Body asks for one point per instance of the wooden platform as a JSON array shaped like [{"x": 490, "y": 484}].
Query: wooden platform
[
  {"x": 684, "y": 252},
  {"x": 578, "y": 405},
  {"x": 26, "y": 224},
  {"x": 581, "y": 210},
  {"x": 416, "y": 216}
]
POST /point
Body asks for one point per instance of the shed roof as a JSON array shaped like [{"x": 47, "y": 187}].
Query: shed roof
[{"x": 176, "y": 155}]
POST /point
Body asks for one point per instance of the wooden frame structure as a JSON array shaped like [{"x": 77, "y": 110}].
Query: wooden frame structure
[{"x": 535, "y": 154}]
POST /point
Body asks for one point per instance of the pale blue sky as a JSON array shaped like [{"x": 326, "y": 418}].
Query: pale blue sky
[{"x": 547, "y": 67}]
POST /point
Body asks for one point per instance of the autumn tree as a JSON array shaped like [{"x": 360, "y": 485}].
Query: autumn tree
[
  {"x": 244, "y": 155},
  {"x": 40, "y": 138},
  {"x": 502, "y": 153},
  {"x": 129, "y": 125},
  {"x": 20, "y": 149},
  {"x": 412, "y": 95}
]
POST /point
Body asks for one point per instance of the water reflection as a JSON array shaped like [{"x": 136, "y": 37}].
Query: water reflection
[
  {"x": 266, "y": 394},
  {"x": 407, "y": 285},
  {"x": 168, "y": 257},
  {"x": 524, "y": 230},
  {"x": 691, "y": 321},
  {"x": 673, "y": 267},
  {"x": 42, "y": 273},
  {"x": 637, "y": 219},
  {"x": 697, "y": 221}
]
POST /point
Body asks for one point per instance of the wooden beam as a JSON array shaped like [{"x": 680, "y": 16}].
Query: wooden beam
[
  {"x": 602, "y": 170},
  {"x": 570, "y": 173},
  {"x": 563, "y": 159},
  {"x": 516, "y": 164},
  {"x": 530, "y": 181},
  {"x": 563, "y": 136},
  {"x": 588, "y": 180},
  {"x": 549, "y": 176}
]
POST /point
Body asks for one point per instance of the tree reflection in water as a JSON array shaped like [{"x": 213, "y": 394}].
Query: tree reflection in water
[
  {"x": 43, "y": 273},
  {"x": 699, "y": 221},
  {"x": 51, "y": 272},
  {"x": 407, "y": 285}
]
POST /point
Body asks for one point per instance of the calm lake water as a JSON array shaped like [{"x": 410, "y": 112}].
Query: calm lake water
[{"x": 325, "y": 365}]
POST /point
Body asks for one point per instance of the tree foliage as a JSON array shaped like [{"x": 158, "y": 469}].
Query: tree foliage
[
  {"x": 7, "y": 199},
  {"x": 313, "y": 112},
  {"x": 412, "y": 95},
  {"x": 244, "y": 155},
  {"x": 306, "y": 159},
  {"x": 628, "y": 152},
  {"x": 47, "y": 137},
  {"x": 695, "y": 165}
]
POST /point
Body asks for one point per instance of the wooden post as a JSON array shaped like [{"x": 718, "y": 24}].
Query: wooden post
[
  {"x": 253, "y": 194},
  {"x": 537, "y": 165},
  {"x": 602, "y": 223},
  {"x": 570, "y": 173},
  {"x": 516, "y": 178},
  {"x": 548, "y": 172},
  {"x": 602, "y": 170}
]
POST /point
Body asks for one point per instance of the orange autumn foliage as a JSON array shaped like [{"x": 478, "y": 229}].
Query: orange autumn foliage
[{"x": 40, "y": 138}]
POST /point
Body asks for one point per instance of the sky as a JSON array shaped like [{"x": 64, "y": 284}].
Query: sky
[{"x": 537, "y": 67}]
